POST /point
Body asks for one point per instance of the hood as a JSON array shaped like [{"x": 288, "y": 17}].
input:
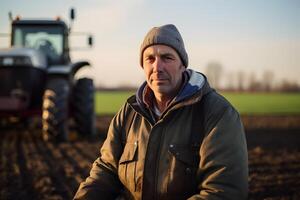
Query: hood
[
  {"x": 23, "y": 55},
  {"x": 193, "y": 90}
]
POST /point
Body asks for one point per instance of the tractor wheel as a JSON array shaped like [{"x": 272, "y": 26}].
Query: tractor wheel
[
  {"x": 55, "y": 110},
  {"x": 83, "y": 107}
]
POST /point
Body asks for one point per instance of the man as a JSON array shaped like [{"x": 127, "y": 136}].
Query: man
[{"x": 175, "y": 139}]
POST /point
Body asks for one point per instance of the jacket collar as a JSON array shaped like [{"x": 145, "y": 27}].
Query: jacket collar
[
  {"x": 194, "y": 84},
  {"x": 194, "y": 88}
]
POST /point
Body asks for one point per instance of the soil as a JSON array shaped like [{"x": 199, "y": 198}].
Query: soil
[{"x": 33, "y": 169}]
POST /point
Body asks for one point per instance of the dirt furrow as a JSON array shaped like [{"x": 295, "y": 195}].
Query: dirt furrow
[
  {"x": 11, "y": 181},
  {"x": 3, "y": 161},
  {"x": 33, "y": 169},
  {"x": 81, "y": 164},
  {"x": 81, "y": 148},
  {"x": 52, "y": 173},
  {"x": 29, "y": 164},
  {"x": 274, "y": 173},
  {"x": 26, "y": 174},
  {"x": 70, "y": 172},
  {"x": 91, "y": 147}
]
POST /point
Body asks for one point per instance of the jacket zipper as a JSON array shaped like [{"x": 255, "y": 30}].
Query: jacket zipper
[
  {"x": 156, "y": 168},
  {"x": 157, "y": 163},
  {"x": 153, "y": 124}
]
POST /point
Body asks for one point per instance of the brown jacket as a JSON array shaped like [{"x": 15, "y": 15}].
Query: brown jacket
[{"x": 196, "y": 150}]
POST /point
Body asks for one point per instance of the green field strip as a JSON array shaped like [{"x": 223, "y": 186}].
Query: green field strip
[{"x": 109, "y": 102}]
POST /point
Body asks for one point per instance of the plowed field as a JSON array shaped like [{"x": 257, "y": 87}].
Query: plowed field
[{"x": 33, "y": 169}]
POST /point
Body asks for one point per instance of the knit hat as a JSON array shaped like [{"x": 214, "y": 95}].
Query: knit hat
[{"x": 165, "y": 35}]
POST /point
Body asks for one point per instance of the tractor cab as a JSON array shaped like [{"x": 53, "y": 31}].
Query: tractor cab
[
  {"x": 38, "y": 78},
  {"x": 47, "y": 36}
]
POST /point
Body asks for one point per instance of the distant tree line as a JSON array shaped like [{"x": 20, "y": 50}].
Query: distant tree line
[
  {"x": 239, "y": 81},
  {"x": 249, "y": 82}
]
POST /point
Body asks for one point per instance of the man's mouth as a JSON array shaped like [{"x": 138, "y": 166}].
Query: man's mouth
[{"x": 159, "y": 80}]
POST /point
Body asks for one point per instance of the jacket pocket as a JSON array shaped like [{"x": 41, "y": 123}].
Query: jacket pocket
[
  {"x": 127, "y": 165},
  {"x": 182, "y": 169}
]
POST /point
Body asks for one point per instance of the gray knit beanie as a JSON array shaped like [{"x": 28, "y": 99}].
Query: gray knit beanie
[{"x": 165, "y": 35}]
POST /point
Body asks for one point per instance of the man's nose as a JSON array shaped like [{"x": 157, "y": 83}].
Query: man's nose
[{"x": 157, "y": 65}]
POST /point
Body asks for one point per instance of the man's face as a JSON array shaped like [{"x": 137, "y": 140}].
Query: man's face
[{"x": 163, "y": 69}]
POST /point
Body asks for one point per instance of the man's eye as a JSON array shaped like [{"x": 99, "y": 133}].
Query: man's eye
[
  {"x": 149, "y": 59},
  {"x": 168, "y": 58}
]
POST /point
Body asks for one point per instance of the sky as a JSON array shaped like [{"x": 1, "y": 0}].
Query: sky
[{"x": 249, "y": 36}]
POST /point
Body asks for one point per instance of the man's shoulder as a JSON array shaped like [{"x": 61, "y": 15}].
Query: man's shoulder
[
  {"x": 215, "y": 98},
  {"x": 131, "y": 104},
  {"x": 214, "y": 104},
  {"x": 132, "y": 99},
  {"x": 215, "y": 107}
]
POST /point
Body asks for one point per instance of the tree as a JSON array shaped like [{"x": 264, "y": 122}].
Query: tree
[
  {"x": 254, "y": 84},
  {"x": 241, "y": 80},
  {"x": 213, "y": 73},
  {"x": 267, "y": 80}
]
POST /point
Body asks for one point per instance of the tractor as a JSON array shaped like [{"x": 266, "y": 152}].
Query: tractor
[{"x": 37, "y": 79}]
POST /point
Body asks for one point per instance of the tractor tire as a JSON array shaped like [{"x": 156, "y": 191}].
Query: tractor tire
[
  {"x": 55, "y": 110},
  {"x": 83, "y": 107}
]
